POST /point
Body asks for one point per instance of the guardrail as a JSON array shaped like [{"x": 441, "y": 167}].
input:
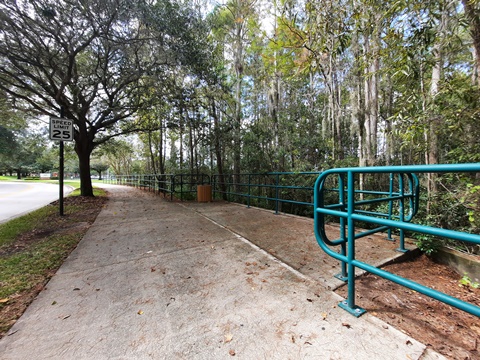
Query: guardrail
[
  {"x": 173, "y": 185},
  {"x": 264, "y": 189},
  {"x": 401, "y": 202},
  {"x": 268, "y": 190}
]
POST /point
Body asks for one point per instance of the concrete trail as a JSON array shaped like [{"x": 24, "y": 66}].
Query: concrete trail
[{"x": 159, "y": 280}]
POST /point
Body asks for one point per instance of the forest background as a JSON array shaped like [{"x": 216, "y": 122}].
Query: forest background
[{"x": 245, "y": 87}]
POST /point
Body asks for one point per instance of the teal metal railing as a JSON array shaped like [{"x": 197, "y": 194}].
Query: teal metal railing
[
  {"x": 268, "y": 190},
  {"x": 181, "y": 186},
  {"x": 350, "y": 203},
  {"x": 273, "y": 190}
]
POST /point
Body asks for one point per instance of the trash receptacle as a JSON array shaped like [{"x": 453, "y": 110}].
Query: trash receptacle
[{"x": 204, "y": 193}]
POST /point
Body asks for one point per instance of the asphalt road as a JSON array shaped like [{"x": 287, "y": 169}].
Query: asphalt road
[{"x": 18, "y": 198}]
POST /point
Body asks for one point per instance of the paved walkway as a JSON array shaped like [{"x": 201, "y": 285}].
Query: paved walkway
[{"x": 159, "y": 280}]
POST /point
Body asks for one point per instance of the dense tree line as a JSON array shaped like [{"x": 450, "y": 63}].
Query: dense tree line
[
  {"x": 304, "y": 86},
  {"x": 251, "y": 86},
  {"x": 317, "y": 85}
]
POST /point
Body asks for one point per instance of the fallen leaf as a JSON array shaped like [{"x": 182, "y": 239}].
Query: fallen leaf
[
  {"x": 232, "y": 352},
  {"x": 76, "y": 289},
  {"x": 66, "y": 317},
  {"x": 408, "y": 342},
  {"x": 140, "y": 312},
  {"x": 324, "y": 316},
  {"x": 3, "y": 301},
  {"x": 309, "y": 300},
  {"x": 347, "y": 325},
  {"x": 54, "y": 303},
  {"x": 228, "y": 338}
]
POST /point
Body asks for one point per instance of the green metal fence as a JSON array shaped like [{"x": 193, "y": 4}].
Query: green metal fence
[
  {"x": 273, "y": 190},
  {"x": 181, "y": 186},
  {"x": 341, "y": 194},
  {"x": 280, "y": 191}
]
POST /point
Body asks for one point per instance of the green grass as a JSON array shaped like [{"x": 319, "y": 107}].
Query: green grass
[
  {"x": 7, "y": 178},
  {"x": 21, "y": 271},
  {"x": 74, "y": 183},
  {"x": 13, "y": 228},
  {"x": 96, "y": 192}
]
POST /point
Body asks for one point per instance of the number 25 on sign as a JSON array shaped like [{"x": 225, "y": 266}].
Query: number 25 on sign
[{"x": 61, "y": 129}]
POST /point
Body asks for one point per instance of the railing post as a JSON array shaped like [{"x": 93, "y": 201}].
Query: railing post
[
  {"x": 351, "y": 240},
  {"x": 343, "y": 276},
  {"x": 390, "y": 206},
  {"x": 349, "y": 304},
  {"x": 212, "y": 183},
  {"x": 181, "y": 187},
  {"x": 248, "y": 198},
  {"x": 229, "y": 186},
  {"x": 277, "y": 179},
  {"x": 401, "y": 248}
]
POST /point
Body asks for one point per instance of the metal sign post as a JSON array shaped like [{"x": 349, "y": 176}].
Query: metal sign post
[{"x": 61, "y": 130}]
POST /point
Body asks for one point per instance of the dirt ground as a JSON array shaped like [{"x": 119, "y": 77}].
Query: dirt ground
[{"x": 449, "y": 331}]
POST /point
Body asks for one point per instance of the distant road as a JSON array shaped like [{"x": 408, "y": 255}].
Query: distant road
[{"x": 18, "y": 198}]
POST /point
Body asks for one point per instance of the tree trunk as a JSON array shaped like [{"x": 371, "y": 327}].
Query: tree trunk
[
  {"x": 163, "y": 154},
  {"x": 218, "y": 148},
  {"x": 433, "y": 126},
  {"x": 238, "y": 63},
  {"x": 338, "y": 119},
  {"x": 83, "y": 153},
  {"x": 161, "y": 157},
  {"x": 389, "y": 138},
  {"x": 236, "y": 132},
  {"x": 371, "y": 49},
  {"x": 358, "y": 111},
  {"x": 152, "y": 155},
  {"x": 190, "y": 144},
  {"x": 180, "y": 150},
  {"x": 472, "y": 15},
  {"x": 431, "y": 136},
  {"x": 274, "y": 103},
  {"x": 83, "y": 148}
]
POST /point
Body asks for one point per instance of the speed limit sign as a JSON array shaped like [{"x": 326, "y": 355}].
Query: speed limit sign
[{"x": 61, "y": 129}]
